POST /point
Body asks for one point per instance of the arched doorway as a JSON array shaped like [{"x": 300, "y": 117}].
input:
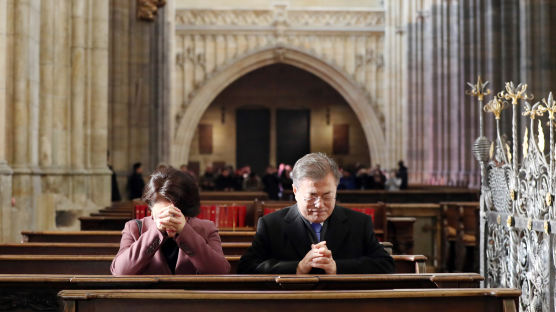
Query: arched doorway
[
  {"x": 348, "y": 89},
  {"x": 276, "y": 114}
]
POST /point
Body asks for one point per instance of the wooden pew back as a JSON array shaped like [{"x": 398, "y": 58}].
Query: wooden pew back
[
  {"x": 455, "y": 300},
  {"x": 95, "y": 264},
  {"x": 39, "y": 292},
  {"x": 460, "y": 227}
]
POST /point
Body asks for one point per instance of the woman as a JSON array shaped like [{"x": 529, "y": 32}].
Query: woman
[{"x": 171, "y": 240}]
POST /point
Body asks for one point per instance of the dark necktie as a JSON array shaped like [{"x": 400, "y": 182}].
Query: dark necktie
[{"x": 317, "y": 227}]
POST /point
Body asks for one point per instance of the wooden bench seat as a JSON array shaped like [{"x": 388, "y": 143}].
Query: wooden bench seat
[
  {"x": 60, "y": 248},
  {"x": 112, "y": 236},
  {"x": 454, "y": 300},
  {"x": 232, "y": 248},
  {"x": 39, "y": 291},
  {"x": 100, "y": 264}
]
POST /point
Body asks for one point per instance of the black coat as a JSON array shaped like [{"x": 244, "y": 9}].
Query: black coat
[
  {"x": 135, "y": 185},
  {"x": 282, "y": 241}
]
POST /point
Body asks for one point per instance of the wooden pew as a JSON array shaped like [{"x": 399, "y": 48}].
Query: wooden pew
[
  {"x": 112, "y": 236},
  {"x": 400, "y": 232},
  {"x": 108, "y": 220},
  {"x": 232, "y": 248},
  {"x": 423, "y": 210},
  {"x": 95, "y": 264},
  {"x": 39, "y": 292},
  {"x": 229, "y": 248},
  {"x": 128, "y": 215},
  {"x": 103, "y": 223},
  {"x": 454, "y": 300},
  {"x": 233, "y": 196},
  {"x": 59, "y": 248},
  {"x": 460, "y": 221}
]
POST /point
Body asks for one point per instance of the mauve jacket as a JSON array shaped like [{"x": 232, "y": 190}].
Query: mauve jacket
[{"x": 200, "y": 250}]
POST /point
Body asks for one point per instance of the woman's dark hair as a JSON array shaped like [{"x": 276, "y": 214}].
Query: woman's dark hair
[{"x": 176, "y": 187}]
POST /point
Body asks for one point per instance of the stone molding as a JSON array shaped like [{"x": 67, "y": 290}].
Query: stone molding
[
  {"x": 231, "y": 20},
  {"x": 5, "y": 169}
]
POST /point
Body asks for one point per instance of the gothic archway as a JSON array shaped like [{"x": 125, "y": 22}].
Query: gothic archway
[{"x": 352, "y": 93}]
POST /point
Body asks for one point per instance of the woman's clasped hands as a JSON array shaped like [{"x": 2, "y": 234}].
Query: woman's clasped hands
[{"x": 169, "y": 219}]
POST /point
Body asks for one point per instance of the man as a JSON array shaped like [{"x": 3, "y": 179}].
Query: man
[
  {"x": 135, "y": 182},
  {"x": 402, "y": 174},
  {"x": 315, "y": 236}
]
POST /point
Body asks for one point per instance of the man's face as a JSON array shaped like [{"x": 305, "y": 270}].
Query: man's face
[{"x": 316, "y": 199}]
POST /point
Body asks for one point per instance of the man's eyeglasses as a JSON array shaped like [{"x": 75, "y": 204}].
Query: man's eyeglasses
[{"x": 325, "y": 199}]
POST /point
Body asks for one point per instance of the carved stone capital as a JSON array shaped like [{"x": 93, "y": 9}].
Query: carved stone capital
[{"x": 147, "y": 9}]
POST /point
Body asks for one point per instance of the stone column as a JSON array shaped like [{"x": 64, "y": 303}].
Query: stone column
[
  {"x": 22, "y": 191},
  {"x": 45, "y": 213},
  {"x": 20, "y": 107},
  {"x": 61, "y": 120},
  {"x": 46, "y": 82},
  {"x": 396, "y": 96},
  {"x": 5, "y": 170},
  {"x": 100, "y": 175},
  {"x": 78, "y": 79},
  {"x": 121, "y": 89}
]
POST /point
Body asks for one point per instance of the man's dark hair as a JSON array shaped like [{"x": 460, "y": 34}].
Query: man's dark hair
[
  {"x": 136, "y": 166},
  {"x": 176, "y": 187}
]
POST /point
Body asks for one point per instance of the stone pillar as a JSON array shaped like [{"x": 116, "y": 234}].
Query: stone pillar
[
  {"x": 21, "y": 120},
  {"x": 45, "y": 212},
  {"x": 121, "y": 89},
  {"x": 46, "y": 82},
  {"x": 396, "y": 96},
  {"x": 5, "y": 170},
  {"x": 61, "y": 121},
  {"x": 100, "y": 175},
  {"x": 78, "y": 80},
  {"x": 20, "y": 110}
]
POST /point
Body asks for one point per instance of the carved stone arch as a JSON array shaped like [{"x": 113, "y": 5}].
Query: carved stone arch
[{"x": 353, "y": 94}]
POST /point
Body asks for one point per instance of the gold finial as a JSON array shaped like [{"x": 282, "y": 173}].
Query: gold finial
[
  {"x": 498, "y": 219},
  {"x": 495, "y": 106},
  {"x": 514, "y": 93},
  {"x": 549, "y": 106},
  {"x": 534, "y": 111},
  {"x": 530, "y": 224},
  {"x": 478, "y": 89},
  {"x": 526, "y": 143},
  {"x": 512, "y": 194},
  {"x": 540, "y": 139}
]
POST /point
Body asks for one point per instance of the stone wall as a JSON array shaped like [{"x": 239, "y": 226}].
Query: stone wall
[
  {"x": 53, "y": 104},
  {"x": 342, "y": 46},
  {"x": 450, "y": 43}
]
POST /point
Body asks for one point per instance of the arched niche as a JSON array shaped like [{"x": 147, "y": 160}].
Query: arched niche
[{"x": 352, "y": 93}]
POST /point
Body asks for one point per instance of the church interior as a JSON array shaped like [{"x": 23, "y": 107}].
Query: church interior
[{"x": 438, "y": 113}]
